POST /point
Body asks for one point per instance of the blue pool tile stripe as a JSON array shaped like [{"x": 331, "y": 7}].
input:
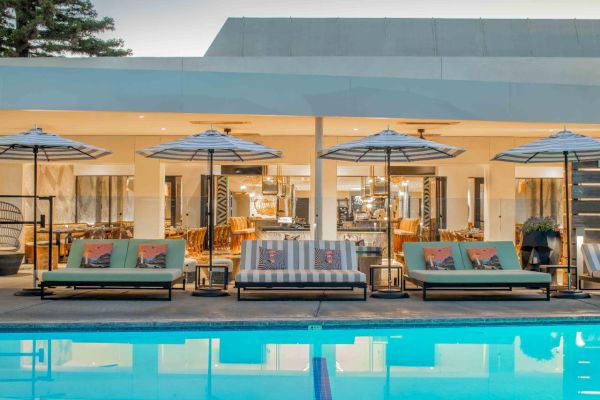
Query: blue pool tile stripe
[{"x": 321, "y": 379}]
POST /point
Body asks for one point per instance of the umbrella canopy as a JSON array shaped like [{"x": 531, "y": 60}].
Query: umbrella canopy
[
  {"x": 223, "y": 147},
  {"x": 553, "y": 148},
  {"x": 50, "y": 147},
  {"x": 404, "y": 148}
]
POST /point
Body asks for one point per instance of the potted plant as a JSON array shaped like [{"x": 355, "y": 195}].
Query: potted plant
[{"x": 541, "y": 242}]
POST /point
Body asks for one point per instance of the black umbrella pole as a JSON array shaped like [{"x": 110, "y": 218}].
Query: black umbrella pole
[
  {"x": 34, "y": 290},
  {"x": 389, "y": 293},
  {"x": 569, "y": 293},
  {"x": 210, "y": 291}
]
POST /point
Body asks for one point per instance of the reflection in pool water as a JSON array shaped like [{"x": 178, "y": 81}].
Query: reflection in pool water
[{"x": 516, "y": 362}]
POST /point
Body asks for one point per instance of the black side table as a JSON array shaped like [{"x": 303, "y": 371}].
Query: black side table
[
  {"x": 221, "y": 268},
  {"x": 397, "y": 267}
]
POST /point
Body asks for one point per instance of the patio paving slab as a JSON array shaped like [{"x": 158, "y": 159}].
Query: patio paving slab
[{"x": 137, "y": 309}]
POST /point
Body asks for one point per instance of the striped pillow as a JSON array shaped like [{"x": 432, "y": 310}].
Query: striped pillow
[
  {"x": 271, "y": 258},
  {"x": 328, "y": 259}
]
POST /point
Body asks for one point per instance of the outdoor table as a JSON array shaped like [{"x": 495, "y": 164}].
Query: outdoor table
[
  {"x": 396, "y": 266},
  {"x": 58, "y": 233}
]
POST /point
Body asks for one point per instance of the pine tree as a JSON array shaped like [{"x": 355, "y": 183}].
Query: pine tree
[{"x": 48, "y": 28}]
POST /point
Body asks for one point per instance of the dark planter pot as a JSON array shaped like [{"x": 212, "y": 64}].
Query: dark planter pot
[
  {"x": 10, "y": 263},
  {"x": 540, "y": 248}
]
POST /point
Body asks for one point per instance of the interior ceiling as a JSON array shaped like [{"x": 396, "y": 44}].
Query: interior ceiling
[{"x": 128, "y": 123}]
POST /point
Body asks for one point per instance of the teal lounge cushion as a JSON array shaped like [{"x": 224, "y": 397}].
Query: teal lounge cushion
[
  {"x": 505, "y": 250},
  {"x": 414, "y": 258},
  {"x": 117, "y": 259},
  {"x": 108, "y": 275},
  {"x": 175, "y": 253},
  {"x": 480, "y": 276}
]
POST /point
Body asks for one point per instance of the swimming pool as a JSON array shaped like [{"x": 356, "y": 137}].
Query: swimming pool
[{"x": 503, "y": 362}]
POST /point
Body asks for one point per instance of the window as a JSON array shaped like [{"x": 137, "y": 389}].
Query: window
[{"x": 104, "y": 199}]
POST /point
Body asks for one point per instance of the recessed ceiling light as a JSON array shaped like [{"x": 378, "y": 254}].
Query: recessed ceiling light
[
  {"x": 163, "y": 129},
  {"x": 355, "y": 129},
  {"x": 141, "y": 117}
]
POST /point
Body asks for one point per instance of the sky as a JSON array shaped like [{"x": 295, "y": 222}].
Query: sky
[{"x": 185, "y": 28}]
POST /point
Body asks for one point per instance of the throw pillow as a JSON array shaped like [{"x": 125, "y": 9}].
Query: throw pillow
[
  {"x": 96, "y": 255},
  {"x": 328, "y": 259},
  {"x": 438, "y": 258},
  {"x": 484, "y": 258},
  {"x": 271, "y": 258},
  {"x": 152, "y": 255}
]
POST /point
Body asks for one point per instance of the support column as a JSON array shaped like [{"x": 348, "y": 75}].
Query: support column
[
  {"x": 500, "y": 207},
  {"x": 323, "y": 190},
  {"x": 149, "y": 194},
  {"x": 317, "y": 181},
  {"x": 457, "y": 195}
]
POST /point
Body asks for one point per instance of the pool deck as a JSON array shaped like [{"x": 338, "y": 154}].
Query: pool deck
[{"x": 136, "y": 309}]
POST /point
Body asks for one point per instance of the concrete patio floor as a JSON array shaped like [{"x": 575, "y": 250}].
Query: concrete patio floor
[{"x": 136, "y": 309}]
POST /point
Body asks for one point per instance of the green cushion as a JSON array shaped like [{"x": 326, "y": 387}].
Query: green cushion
[
  {"x": 175, "y": 252},
  {"x": 109, "y": 275},
  {"x": 117, "y": 259},
  {"x": 415, "y": 260},
  {"x": 506, "y": 253},
  {"x": 480, "y": 276}
]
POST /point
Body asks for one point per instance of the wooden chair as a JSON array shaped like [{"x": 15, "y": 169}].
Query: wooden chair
[
  {"x": 241, "y": 230},
  {"x": 222, "y": 239}
]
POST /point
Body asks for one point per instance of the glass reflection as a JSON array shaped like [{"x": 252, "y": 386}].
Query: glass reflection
[{"x": 533, "y": 362}]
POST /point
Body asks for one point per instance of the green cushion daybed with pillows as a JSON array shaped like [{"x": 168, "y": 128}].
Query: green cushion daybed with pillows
[
  {"x": 123, "y": 267},
  {"x": 430, "y": 265}
]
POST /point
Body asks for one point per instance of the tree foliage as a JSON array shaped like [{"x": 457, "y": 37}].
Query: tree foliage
[{"x": 48, "y": 28}]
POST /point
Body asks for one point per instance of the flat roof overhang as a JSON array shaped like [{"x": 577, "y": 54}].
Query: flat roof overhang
[{"x": 181, "y": 91}]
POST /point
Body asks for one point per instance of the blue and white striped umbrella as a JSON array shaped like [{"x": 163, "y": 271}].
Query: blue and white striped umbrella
[
  {"x": 553, "y": 148},
  {"x": 404, "y": 148},
  {"x": 50, "y": 147},
  {"x": 224, "y": 147}
]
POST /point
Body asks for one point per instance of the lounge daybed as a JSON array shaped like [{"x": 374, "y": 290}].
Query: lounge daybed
[
  {"x": 591, "y": 262},
  {"x": 299, "y": 269},
  {"x": 464, "y": 276},
  {"x": 122, "y": 272}
]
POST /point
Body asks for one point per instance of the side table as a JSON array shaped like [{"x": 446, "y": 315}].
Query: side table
[
  {"x": 224, "y": 269},
  {"x": 396, "y": 267}
]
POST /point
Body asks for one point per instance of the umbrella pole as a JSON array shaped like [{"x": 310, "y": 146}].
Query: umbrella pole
[
  {"x": 389, "y": 292},
  {"x": 34, "y": 290},
  {"x": 210, "y": 291},
  {"x": 569, "y": 293}
]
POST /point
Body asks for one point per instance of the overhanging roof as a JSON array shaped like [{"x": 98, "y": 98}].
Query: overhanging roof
[{"x": 407, "y": 37}]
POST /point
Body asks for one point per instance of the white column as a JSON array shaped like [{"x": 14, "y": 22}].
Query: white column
[
  {"x": 457, "y": 178},
  {"x": 499, "y": 208},
  {"x": 317, "y": 181},
  {"x": 149, "y": 194}
]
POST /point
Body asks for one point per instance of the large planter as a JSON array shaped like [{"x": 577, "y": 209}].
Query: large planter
[
  {"x": 10, "y": 262},
  {"x": 540, "y": 248}
]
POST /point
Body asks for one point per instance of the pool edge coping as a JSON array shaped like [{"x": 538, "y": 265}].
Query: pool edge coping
[{"x": 287, "y": 324}]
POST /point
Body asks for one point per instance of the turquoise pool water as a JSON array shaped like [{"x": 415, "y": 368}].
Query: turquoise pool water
[{"x": 508, "y": 362}]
